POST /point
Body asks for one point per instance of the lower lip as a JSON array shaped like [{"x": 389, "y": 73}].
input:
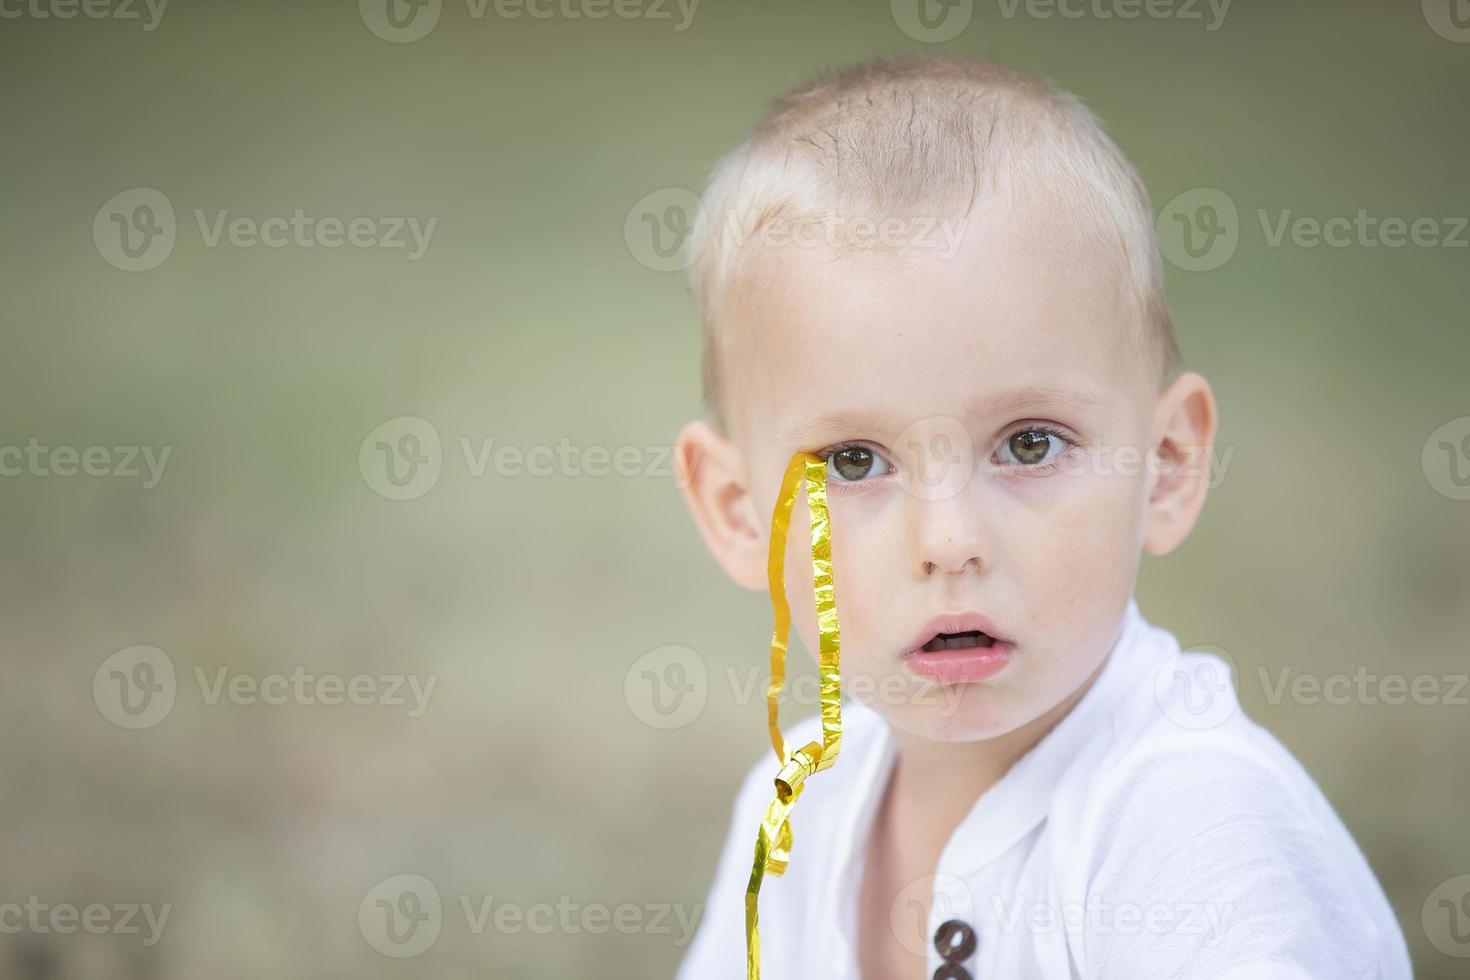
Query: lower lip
[{"x": 961, "y": 666}]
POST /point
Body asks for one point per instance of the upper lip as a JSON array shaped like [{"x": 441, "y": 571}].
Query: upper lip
[{"x": 961, "y": 622}]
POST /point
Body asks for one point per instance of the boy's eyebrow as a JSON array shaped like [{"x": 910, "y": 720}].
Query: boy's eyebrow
[
  {"x": 825, "y": 425},
  {"x": 1002, "y": 403},
  {"x": 1039, "y": 395}
]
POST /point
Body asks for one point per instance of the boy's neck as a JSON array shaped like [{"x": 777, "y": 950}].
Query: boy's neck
[{"x": 934, "y": 785}]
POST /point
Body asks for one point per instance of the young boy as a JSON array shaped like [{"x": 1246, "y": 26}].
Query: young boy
[{"x": 942, "y": 277}]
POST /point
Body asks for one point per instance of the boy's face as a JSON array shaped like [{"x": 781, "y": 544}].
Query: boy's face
[{"x": 978, "y": 410}]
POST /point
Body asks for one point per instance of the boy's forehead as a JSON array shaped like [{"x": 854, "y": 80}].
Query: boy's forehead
[{"x": 1017, "y": 305}]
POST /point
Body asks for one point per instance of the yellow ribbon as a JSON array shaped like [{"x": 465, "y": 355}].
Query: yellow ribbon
[{"x": 773, "y": 842}]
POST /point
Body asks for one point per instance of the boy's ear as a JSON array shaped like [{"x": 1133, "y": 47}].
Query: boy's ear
[
  {"x": 712, "y": 476},
  {"x": 1186, "y": 427}
]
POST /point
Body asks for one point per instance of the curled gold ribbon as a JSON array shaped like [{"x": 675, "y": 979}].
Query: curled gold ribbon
[{"x": 773, "y": 841}]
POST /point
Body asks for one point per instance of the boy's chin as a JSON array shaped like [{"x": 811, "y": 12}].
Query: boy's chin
[{"x": 955, "y": 713}]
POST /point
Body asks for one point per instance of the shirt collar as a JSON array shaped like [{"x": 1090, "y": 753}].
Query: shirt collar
[{"x": 1018, "y": 802}]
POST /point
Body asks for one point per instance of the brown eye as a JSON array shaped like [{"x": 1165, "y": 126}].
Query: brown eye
[
  {"x": 853, "y": 463},
  {"x": 1030, "y": 447}
]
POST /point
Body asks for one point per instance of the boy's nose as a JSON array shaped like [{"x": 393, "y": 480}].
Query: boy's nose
[
  {"x": 948, "y": 536},
  {"x": 970, "y": 563}
]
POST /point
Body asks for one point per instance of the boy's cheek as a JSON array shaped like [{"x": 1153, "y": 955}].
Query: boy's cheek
[
  {"x": 863, "y": 566},
  {"x": 1076, "y": 553}
]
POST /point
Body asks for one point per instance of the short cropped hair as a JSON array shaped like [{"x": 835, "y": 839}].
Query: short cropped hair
[{"x": 915, "y": 136}]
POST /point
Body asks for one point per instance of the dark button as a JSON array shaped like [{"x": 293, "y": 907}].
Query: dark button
[{"x": 955, "y": 941}]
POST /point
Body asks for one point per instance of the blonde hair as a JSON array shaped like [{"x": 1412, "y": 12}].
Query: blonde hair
[{"x": 921, "y": 136}]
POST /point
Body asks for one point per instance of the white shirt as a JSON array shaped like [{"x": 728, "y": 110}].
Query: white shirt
[{"x": 1155, "y": 832}]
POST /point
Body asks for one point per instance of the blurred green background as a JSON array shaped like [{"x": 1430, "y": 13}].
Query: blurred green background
[{"x": 537, "y": 773}]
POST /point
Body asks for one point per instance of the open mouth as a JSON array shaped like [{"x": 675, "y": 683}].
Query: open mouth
[{"x": 958, "y": 641}]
